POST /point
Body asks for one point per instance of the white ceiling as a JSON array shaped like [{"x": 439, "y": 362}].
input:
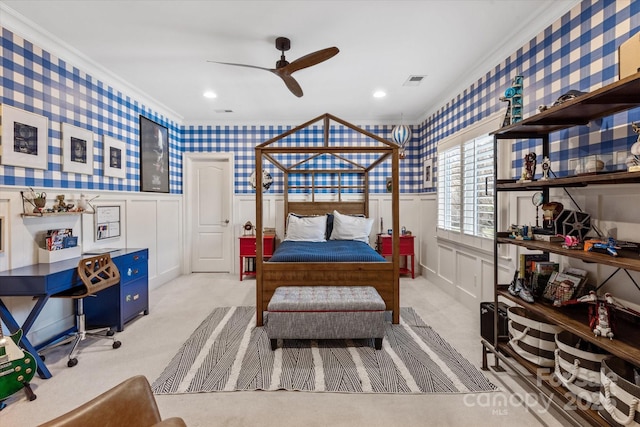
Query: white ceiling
[{"x": 161, "y": 48}]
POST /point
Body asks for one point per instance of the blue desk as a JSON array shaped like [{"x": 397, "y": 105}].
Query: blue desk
[{"x": 116, "y": 305}]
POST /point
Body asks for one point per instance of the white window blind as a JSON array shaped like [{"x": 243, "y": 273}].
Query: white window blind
[
  {"x": 478, "y": 187},
  {"x": 465, "y": 181},
  {"x": 449, "y": 189}
]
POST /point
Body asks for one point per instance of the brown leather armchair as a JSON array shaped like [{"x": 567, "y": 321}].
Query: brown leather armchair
[{"x": 130, "y": 403}]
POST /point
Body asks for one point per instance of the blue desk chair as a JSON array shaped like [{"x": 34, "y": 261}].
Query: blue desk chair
[{"x": 96, "y": 273}]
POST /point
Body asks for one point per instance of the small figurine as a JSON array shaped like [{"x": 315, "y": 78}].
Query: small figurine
[
  {"x": 571, "y": 242},
  {"x": 610, "y": 246},
  {"x": 633, "y": 161},
  {"x": 61, "y": 206},
  {"x": 529, "y": 170},
  {"x": 546, "y": 167},
  {"x": 602, "y": 313},
  {"x": 513, "y": 96}
]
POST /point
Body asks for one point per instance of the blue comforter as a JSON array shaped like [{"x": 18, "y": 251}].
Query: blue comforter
[{"x": 329, "y": 251}]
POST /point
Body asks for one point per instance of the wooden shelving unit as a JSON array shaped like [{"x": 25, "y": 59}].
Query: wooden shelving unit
[
  {"x": 625, "y": 345},
  {"x": 616, "y": 97}
]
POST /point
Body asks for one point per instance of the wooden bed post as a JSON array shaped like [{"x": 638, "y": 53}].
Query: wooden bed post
[
  {"x": 395, "y": 207},
  {"x": 259, "y": 240}
]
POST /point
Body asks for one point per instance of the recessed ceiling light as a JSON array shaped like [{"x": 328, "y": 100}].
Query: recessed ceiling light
[
  {"x": 379, "y": 94},
  {"x": 209, "y": 94}
]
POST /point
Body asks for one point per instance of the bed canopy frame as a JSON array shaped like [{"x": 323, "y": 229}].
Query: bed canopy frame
[{"x": 384, "y": 276}]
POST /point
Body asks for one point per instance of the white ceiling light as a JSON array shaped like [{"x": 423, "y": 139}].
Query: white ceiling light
[
  {"x": 209, "y": 94},
  {"x": 379, "y": 94}
]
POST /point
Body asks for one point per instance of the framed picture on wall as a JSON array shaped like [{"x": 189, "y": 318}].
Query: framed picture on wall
[
  {"x": 107, "y": 219},
  {"x": 77, "y": 149},
  {"x": 154, "y": 156},
  {"x": 25, "y": 138},
  {"x": 427, "y": 173},
  {"x": 115, "y": 157}
]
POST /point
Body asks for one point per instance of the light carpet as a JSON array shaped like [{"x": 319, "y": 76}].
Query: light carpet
[{"x": 227, "y": 352}]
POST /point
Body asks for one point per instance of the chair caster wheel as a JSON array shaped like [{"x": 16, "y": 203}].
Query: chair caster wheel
[
  {"x": 110, "y": 333},
  {"x": 117, "y": 344},
  {"x": 72, "y": 362}
]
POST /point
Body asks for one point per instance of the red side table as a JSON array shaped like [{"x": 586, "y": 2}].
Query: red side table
[
  {"x": 248, "y": 250},
  {"x": 384, "y": 247}
]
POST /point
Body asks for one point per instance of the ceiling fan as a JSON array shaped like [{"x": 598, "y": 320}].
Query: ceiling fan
[{"x": 284, "y": 69}]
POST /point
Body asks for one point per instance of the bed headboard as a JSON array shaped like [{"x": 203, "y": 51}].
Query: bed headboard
[{"x": 321, "y": 208}]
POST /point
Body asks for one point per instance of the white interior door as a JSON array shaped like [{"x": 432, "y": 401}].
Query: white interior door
[{"x": 208, "y": 209}]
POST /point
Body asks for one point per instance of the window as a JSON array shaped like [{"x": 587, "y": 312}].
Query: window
[
  {"x": 465, "y": 182},
  {"x": 477, "y": 187}
]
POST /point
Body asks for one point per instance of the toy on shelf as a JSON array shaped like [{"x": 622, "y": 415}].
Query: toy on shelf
[
  {"x": 546, "y": 168},
  {"x": 529, "y": 169},
  {"x": 633, "y": 161},
  {"x": 601, "y": 313},
  {"x": 519, "y": 288},
  {"x": 610, "y": 246},
  {"x": 521, "y": 232},
  {"x": 571, "y": 242},
  {"x": 513, "y": 96}
]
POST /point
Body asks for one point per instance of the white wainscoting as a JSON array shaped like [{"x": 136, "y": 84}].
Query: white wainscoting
[{"x": 148, "y": 220}]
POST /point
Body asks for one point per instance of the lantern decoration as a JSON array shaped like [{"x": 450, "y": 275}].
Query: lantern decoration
[{"x": 401, "y": 134}]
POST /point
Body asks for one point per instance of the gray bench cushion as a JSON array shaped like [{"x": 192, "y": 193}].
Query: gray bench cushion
[
  {"x": 325, "y": 312},
  {"x": 326, "y": 298}
]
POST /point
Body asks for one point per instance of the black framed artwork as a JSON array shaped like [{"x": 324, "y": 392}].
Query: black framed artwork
[{"x": 154, "y": 156}]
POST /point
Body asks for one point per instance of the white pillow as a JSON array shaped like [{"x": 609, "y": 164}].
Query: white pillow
[
  {"x": 347, "y": 227},
  {"x": 306, "y": 228}
]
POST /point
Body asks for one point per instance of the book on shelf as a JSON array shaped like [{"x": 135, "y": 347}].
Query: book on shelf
[
  {"x": 55, "y": 239},
  {"x": 565, "y": 285},
  {"x": 542, "y": 271},
  {"x": 552, "y": 238},
  {"x": 526, "y": 263}
]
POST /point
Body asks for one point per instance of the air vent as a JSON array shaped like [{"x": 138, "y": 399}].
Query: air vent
[
  {"x": 414, "y": 80},
  {"x": 223, "y": 111}
]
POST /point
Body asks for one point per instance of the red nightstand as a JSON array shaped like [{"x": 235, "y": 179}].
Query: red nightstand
[
  {"x": 406, "y": 250},
  {"x": 248, "y": 250}
]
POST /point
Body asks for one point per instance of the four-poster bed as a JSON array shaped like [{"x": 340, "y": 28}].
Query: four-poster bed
[{"x": 350, "y": 199}]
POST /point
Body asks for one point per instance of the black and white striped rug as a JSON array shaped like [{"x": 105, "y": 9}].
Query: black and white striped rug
[{"x": 228, "y": 353}]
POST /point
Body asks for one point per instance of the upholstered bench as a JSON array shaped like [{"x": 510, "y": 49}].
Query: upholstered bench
[{"x": 325, "y": 312}]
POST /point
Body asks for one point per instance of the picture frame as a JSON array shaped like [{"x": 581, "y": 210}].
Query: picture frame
[
  {"x": 77, "y": 149},
  {"x": 427, "y": 173},
  {"x": 1, "y": 234},
  {"x": 25, "y": 138},
  {"x": 154, "y": 156},
  {"x": 115, "y": 157},
  {"x": 107, "y": 219}
]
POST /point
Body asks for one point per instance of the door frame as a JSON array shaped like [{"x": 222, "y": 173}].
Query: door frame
[{"x": 188, "y": 160}]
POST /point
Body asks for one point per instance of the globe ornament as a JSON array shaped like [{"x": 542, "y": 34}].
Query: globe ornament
[{"x": 267, "y": 180}]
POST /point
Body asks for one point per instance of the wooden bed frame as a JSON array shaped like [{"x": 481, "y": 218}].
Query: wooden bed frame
[{"x": 384, "y": 276}]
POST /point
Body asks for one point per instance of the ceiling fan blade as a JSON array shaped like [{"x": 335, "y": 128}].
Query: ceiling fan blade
[
  {"x": 291, "y": 83},
  {"x": 242, "y": 65},
  {"x": 312, "y": 59}
]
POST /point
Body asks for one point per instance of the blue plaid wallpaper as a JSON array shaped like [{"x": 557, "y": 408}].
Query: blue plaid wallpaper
[
  {"x": 579, "y": 51},
  {"x": 36, "y": 81},
  {"x": 241, "y": 140}
]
